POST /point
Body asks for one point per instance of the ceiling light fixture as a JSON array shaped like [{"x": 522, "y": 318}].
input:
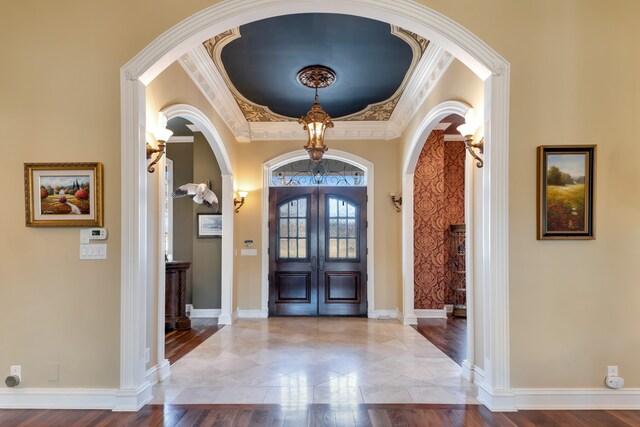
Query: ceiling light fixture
[
  {"x": 467, "y": 130},
  {"x": 316, "y": 121}
]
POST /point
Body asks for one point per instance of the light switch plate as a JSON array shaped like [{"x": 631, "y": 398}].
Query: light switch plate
[{"x": 93, "y": 251}]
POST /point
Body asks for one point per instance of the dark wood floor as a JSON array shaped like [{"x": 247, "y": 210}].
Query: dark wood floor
[
  {"x": 179, "y": 343},
  {"x": 315, "y": 415},
  {"x": 449, "y": 335}
]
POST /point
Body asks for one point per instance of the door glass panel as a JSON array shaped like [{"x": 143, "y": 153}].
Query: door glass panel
[
  {"x": 351, "y": 229},
  {"x": 343, "y": 229},
  {"x": 292, "y": 229},
  {"x": 333, "y": 228},
  {"x": 333, "y": 248}
]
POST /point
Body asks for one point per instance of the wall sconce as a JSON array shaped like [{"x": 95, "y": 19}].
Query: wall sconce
[
  {"x": 162, "y": 135},
  {"x": 238, "y": 203},
  {"x": 396, "y": 200},
  {"x": 467, "y": 130}
]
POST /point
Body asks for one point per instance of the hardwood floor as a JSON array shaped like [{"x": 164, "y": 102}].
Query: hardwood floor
[
  {"x": 179, "y": 343},
  {"x": 315, "y": 415},
  {"x": 449, "y": 335}
]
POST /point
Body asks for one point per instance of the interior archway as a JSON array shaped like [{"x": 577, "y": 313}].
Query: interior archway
[
  {"x": 343, "y": 156},
  {"x": 494, "y": 391}
]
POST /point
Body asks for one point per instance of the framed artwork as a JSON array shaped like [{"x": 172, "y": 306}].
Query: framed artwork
[
  {"x": 566, "y": 191},
  {"x": 63, "y": 194},
  {"x": 209, "y": 225}
]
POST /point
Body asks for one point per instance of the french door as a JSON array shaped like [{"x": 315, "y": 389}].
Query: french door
[{"x": 317, "y": 251}]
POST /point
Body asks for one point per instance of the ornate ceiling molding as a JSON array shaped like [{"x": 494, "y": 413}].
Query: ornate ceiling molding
[
  {"x": 197, "y": 64},
  {"x": 253, "y": 112},
  {"x": 391, "y": 116}
]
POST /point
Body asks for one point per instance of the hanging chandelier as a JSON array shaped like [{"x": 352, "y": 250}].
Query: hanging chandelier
[{"x": 316, "y": 121}]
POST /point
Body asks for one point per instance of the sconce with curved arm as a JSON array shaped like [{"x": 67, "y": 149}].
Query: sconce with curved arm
[
  {"x": 239, "y": 203},
  {"x": 467, "y": 130}
]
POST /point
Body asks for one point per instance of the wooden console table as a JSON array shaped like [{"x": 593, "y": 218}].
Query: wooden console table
[{"x": 175, "y": 296}]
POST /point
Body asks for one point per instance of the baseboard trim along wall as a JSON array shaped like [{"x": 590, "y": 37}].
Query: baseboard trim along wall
[
  {"x": 577, "y": 398},
  {"x": 438, "y": 313},
  {"x": 251, "y": 314},
  {"x": 158, "y": 372},
  {"x": 383, "y": 314},
  {"x": 203, "y": 313},
  {"x": 64, "y": 398}
]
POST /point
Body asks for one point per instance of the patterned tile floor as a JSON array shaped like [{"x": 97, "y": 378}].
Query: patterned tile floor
[{"x": 315, "y": 360}]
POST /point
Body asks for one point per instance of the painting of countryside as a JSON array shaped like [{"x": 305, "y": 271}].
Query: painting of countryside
[
  {"x": 566, "y": 193},
  {"x": 65, "y": 195}
]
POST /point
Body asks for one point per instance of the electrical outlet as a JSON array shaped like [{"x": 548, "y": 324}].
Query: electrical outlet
[
  {"x": 16, "y": 370},
  {"x": 612, "y": 371}
]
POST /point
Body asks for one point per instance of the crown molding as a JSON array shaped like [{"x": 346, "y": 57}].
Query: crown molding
[
  {"x": 430, "y": 69},
  {"x": 197, "y": 64},
  {"x": 192, "y": 127},
  {"x": 180, "y": 139},
  {"x": 453, "y": 138},
  {"x": 426, "y": 74},
  {"x": 283, "y": 131}
]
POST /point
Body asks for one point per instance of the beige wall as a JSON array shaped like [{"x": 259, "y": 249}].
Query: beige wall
[
  {"x": 574, "y": 80},
  {"x": 384, "y": 154}
]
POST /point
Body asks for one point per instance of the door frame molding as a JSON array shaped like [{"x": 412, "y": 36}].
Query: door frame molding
[{"x": 276, "y": 162}]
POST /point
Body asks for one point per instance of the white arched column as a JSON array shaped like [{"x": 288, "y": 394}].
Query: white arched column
[
  {"x": 415, "y": 148},
  {"x": 169, "y": 46},
  {"x": 294, "y": 156},
  {"x": 212, "y": 136}
]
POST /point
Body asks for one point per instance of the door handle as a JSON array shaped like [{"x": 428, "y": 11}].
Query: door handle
[
  {"x": 313, "y": 263},
  {"x": 321, "y": 263}
]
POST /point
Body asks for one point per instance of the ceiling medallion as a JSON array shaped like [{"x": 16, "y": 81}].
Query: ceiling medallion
[
  {"x": 316, "y": 121},
  {"x": 316, "y": 76}
]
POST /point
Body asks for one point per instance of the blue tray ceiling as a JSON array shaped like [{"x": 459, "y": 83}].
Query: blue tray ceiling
[{"x": 370, "y": 62}]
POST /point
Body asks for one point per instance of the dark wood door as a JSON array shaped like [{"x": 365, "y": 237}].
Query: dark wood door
[{"x": 317, "y": 251}]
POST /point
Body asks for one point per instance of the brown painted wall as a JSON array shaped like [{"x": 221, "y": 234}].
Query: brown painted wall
[{"x": 438, "y": 202}]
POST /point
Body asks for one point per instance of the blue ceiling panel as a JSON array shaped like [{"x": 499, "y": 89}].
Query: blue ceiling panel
[{"x": 369, "y": 61}]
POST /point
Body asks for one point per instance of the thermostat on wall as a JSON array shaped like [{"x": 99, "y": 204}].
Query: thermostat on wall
[{"x": 87, "y": 234}]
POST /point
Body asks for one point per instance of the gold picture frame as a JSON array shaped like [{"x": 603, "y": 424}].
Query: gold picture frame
[
  {"x": 63, "y": 194},
  {"x": 566, "y": 192}
]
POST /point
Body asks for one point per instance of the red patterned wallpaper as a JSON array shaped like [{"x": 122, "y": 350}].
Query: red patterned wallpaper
[{"x": 438, "y": 202}]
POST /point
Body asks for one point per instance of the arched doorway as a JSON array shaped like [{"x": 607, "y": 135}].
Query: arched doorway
[
  {"x": 474, "y": 53},
  {"x": 268, "y": 169}
]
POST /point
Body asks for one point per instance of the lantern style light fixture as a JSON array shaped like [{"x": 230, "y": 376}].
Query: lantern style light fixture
[
  {"x": 316, "y": 121},
  {"x": 468, "y": 130},
  {"x": 162, "y": 135}
]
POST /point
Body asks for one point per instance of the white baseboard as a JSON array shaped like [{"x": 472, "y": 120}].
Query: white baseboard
[
  {"x": 439, "y": 313},
  {"x": 408, "y": 319},
  {"x": 67, "y": 398},
  {"x": 159, "y": 372},
  {"x": 48, "y": 398},
  {"x": 448, "y": 308},
  {"x": 201, "y": 313},
  {"x": 383, "y": 314},
  {"x": 252, "y": 314},
  {"x": 575, "y": 399},
  {"x": 496, "y": 400}
]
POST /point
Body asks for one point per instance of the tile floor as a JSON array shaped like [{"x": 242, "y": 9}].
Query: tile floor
[{"x": 315, "y": 360}]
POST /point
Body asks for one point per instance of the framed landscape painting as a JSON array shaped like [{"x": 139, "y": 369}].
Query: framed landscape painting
[
  {"x": 63, "y": 194},
  {"x": 566, "y": 191},
  {"x": 209, "y": 225}
]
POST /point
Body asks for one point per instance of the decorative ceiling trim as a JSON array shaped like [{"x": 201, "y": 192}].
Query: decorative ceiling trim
[
  {"x": 197, "y": 64},
  {"x": 283, "y": 131},
  {"x": 192, "y": 127},
  {"x": 431, "y": 66},
  {"x": 254, "y": 112},
  {"x": 430, "y": 69},
  {"x": 180, "y": 139},
  {"x": 453, "y": 138}
]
